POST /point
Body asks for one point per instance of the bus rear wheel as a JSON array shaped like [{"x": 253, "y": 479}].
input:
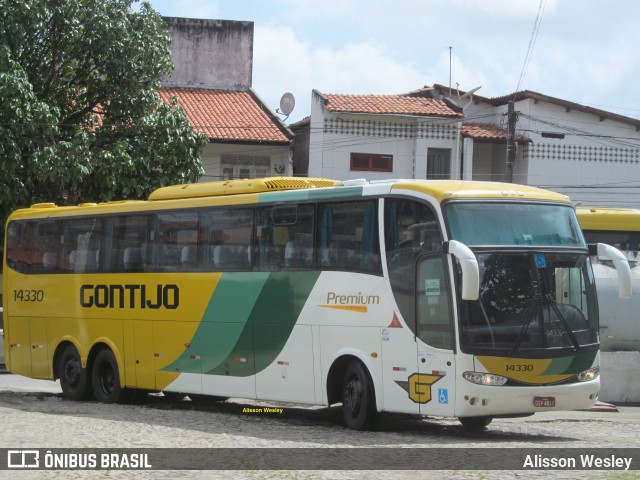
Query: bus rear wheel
[
  {"x": 358, "y": 398},
  {"x": 74, "y": 379},
  {"x": 105, "y": 377}
]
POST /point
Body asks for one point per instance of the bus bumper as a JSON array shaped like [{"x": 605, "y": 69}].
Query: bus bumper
[{"x": 480, "y": 400}]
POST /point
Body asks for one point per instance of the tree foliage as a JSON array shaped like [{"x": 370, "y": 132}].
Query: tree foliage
[{"x": 80, "y": 116}]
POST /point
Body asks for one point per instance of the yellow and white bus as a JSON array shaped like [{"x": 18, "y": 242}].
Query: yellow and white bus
[
  {"x": 619, "y": 227},
  {"x": 461, "y": 299}
]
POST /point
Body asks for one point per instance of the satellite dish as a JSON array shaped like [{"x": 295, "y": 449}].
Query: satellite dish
[
  {"x": 471, "y": 92},
  {"x": 287, "y": 103},
  {"x": 469, "y": 95}
]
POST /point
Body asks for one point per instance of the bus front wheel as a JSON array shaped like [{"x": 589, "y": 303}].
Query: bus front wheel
[
  {"x": 358, "y": 398},
  {"x": 74, "y": 379},
  {"x": 105, "y": 378}
]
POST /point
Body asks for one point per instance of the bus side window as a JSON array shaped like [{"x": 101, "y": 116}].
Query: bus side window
[
  {"x": 129, "y": 240},
  {"x": 411, "y": 230},
  {"x": 347, "y": 236},
  {"x": 298, "y": 250},
  {"x": 175, "y": 246},
  {"x": 82, "y": 239},
  {"x": 18, "y": 254},
  {"x": 284, "y": 237},
  {"x": 433, "y": 301},
  {"x": 32, "y": 246},
  {"x": 225, "y": 238}
]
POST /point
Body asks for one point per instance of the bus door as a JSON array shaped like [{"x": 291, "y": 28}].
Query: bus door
[{"x": 433, "y": 386}]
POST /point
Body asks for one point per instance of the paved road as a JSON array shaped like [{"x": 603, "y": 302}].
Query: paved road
[{"x": 33, "y": 414}]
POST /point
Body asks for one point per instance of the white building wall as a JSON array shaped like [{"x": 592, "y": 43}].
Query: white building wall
[
  {"x": 595, "y": 162},
  {"x": 334, "y": 137},
  {"x": 483, "y": 159},
  {"x": 480, "y": 112},
  {"x": 280, "y": 161},
  {"x": 317, "y": 166}
]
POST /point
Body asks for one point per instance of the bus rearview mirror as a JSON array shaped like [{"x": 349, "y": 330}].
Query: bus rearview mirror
[
  {"x": 470, "y": 271},
  {"x": 621, "y": 264}
]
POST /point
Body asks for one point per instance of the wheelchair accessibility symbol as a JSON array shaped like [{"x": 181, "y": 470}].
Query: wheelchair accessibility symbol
[
  {"x": 541, "y": 261},
  {"x": 443, "y": 395}
]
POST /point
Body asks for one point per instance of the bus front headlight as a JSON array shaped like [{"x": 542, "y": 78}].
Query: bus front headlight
[
  {"x": 589, "y": 375},
  {"x": 484, "y": 378}
]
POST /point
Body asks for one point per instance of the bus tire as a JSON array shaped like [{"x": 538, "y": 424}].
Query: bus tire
[
  {"x": 105, "y": 378},
  {"x": 475, "y": 423},
  {"x": 74, "y": 379},
  {"x": 358, "y": 398}
]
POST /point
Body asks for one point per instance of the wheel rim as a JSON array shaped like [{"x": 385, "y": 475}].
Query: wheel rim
[
  {"x": 106, "y": 379},
  {"x": 353, "y": 396},
  {"x": 72, "y": 371}
]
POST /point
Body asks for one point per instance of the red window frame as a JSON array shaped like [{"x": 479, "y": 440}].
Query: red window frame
[{"x": 371, "y": 162}]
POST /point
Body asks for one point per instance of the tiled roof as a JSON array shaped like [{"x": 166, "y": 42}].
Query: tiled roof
[
  {"x": 233, "y": 116},
  {"x": 529, "y": 94},
  {"x": 488, "y": 133},
  {"x": 388, "y": 104}
]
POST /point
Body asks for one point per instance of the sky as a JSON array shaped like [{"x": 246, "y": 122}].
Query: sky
[{"x": 584, "y": 51}]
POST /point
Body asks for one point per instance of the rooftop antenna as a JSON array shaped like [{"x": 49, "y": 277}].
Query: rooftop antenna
[
  {"x": 287, "y": 104},
  {"x": 450, "y": 48}
]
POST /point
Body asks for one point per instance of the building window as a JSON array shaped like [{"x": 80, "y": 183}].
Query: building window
[
  {"x": 370, "y": 162},
  {"x": 438, "y": 164},
  {"x": 244, "y": 166}
]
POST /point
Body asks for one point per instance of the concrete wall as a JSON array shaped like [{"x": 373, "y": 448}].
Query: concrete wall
[
  {"x": 620, "y": 377},
  {"x": 210, "y": 53}
]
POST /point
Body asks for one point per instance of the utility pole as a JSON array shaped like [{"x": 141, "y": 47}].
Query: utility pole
[{"x": 511, "y": 140}]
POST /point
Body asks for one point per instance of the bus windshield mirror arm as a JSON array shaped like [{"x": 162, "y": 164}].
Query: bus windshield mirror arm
[
  {"x": 469, "y": 265},
  {"x": 622, "y": 267}
]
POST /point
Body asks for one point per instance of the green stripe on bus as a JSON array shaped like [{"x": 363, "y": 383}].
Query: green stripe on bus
[
  {"x": 270, "y": 323},
  {"x": 310, "y": 195},
  {"x": 223, "y": 321},
  {"x": 247, "y": 323},
  {"x": 570, "y": 365}
]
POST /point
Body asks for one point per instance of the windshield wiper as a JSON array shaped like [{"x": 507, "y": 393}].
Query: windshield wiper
[
  {"x": 525, "y": 326},
  {"x": 487, "y": 321},
  {"x": 554, "y": 305}
]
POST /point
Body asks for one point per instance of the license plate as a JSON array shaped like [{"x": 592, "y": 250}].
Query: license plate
[{"x": 544, "y": 401}]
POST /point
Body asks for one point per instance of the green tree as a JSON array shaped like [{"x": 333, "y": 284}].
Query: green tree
[{"x": 80, "y": 116}]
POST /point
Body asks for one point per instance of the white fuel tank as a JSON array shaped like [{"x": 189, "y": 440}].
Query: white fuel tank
[{"x": 619, "y": 318}]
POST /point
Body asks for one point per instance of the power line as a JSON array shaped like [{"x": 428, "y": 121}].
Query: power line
[{"x": 532, "y": 42}]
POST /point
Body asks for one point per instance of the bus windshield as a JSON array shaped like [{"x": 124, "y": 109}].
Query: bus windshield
[
  {"x": 531, "y": 302},
  {"x": 515, "y": 224}
]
